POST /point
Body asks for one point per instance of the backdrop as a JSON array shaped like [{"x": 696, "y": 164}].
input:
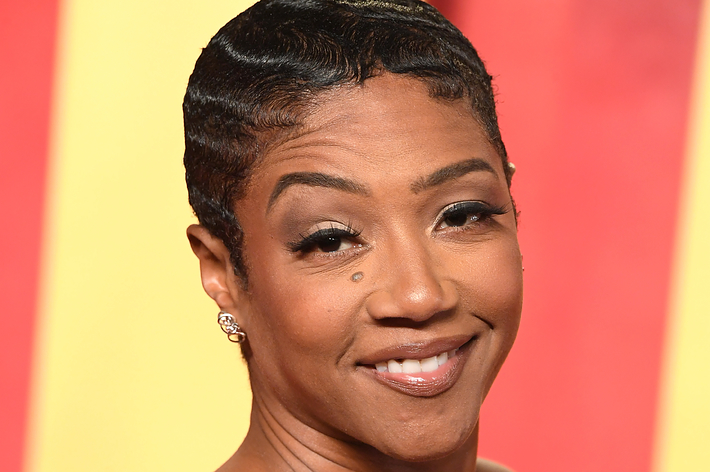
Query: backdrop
[{"x": 111, "y": 359}]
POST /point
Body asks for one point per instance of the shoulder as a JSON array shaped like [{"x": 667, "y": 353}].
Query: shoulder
[{"x": 484, "y": 465}]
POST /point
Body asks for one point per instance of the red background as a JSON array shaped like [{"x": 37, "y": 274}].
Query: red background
[
  {"x": 27, "y": 45},
  {"x": 593, "y": 108}
]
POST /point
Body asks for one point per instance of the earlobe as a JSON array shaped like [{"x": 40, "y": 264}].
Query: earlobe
[{"x": 215, "y": 267}]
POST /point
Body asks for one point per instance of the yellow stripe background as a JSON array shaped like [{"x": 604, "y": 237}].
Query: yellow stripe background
[
  {"x": 132, "y": 371},
  {"x": 684, "y": 431}
]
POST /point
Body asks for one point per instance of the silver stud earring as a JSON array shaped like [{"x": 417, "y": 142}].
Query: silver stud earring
[{"x": 229, "y": 325}]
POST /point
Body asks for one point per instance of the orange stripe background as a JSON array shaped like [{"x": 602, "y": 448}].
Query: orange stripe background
[{"x": 130, "y": 371}]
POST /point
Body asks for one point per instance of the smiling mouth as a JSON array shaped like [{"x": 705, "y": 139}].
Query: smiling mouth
[
  {"x": 425, "y": 377},
  {"x": 415, "y": 366}
]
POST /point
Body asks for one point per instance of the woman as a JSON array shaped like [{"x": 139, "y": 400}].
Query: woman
[{"x": 356, "y": 231}]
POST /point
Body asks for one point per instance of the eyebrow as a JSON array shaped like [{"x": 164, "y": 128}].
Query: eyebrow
[
  {"x": 315, "y": 179},
  {"x": 451, "y": 172}
]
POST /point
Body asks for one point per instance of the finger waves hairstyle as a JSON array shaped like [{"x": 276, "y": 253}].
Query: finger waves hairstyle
[{"x": 262, "y": 72}]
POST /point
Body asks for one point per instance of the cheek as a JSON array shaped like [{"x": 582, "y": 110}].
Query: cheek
[
  {"x": 491, "y": 285},
  {"x": 301, "y": 315}
]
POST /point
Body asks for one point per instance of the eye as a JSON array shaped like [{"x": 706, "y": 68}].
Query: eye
[
  {"x": 462, "y": 214},
  {"x": 327, "y": 240},
  {"x": 331, "y": 242}
]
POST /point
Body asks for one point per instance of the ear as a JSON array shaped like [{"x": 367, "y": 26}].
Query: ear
[{"x": 216, "y": 269}]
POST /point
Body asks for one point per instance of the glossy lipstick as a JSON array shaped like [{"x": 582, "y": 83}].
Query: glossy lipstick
[{"x": 421, "y": 384}]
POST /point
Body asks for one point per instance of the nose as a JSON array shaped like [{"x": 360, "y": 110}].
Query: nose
[{"x": 412, "y": 286}]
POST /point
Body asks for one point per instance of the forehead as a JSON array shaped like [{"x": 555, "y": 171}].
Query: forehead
[{"x": 389, "y": 125}]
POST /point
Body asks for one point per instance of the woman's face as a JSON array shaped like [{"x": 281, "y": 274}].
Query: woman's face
[{"x": 379, "y": 239}]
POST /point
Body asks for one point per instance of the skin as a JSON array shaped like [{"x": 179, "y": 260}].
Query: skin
[{"x": 424, "y": 278}]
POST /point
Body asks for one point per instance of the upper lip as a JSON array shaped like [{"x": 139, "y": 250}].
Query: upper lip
[{"x": 416, "y": 350}]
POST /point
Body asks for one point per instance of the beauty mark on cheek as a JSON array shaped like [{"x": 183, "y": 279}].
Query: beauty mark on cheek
[{"x": 357, "y": 276}]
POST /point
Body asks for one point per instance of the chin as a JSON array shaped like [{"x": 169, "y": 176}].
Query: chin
[{"x": 420, "y": 446}]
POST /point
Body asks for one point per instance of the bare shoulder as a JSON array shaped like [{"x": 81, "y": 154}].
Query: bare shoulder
[{"x": 484, "y": 465}]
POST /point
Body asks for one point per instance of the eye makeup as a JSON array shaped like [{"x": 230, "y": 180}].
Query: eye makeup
[
  {"x": 462, "y": 214},
  {"x": 330, "y": 239},
  {"x": 338, "y": 237}
]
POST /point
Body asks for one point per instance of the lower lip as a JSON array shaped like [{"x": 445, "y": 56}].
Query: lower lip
[{"x": 427, "y": 384}]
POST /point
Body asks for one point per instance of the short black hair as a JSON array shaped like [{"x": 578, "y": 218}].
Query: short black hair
[{"x": 263, "y": 70}]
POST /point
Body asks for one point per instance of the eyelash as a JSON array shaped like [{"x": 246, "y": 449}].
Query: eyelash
[
  {"x": 482, "y": 211},
  {"x": 321, "y": 237}
]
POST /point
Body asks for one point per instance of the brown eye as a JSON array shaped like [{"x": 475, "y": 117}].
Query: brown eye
[
  {"x": 329, "y": 244},
  {"x": 459, "y": 219},
  {"x": 464, "y": 214},
  {"x": 327, "y": 240}
]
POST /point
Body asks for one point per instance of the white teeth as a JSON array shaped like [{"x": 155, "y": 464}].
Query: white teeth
[
  {"x": 411, "y": 366},
  {"x": 442, "y": 358},
  {"x": 429, "y": 365},
  {"x": 414, "y": 366}
]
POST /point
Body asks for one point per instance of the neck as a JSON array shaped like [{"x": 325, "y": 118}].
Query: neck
[{"x": 278, "y": 442}]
